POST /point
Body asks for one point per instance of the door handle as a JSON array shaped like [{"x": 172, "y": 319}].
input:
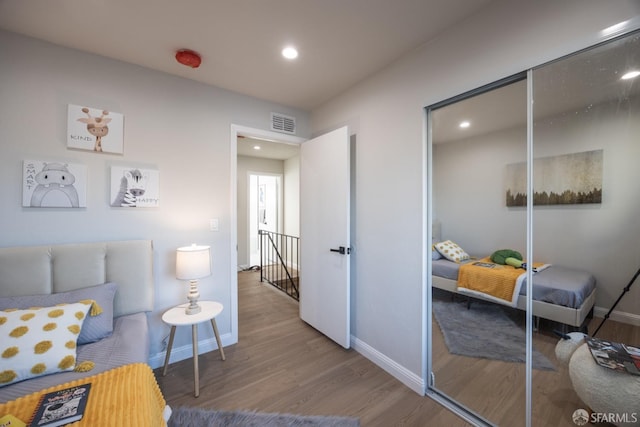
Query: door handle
[{"x": 342, "y": 250}]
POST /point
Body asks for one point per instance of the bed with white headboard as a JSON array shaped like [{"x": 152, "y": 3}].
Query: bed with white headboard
[{"x": 116, "y": 276}]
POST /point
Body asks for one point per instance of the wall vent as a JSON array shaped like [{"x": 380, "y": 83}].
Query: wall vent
[{"x": 282, "y": 123}]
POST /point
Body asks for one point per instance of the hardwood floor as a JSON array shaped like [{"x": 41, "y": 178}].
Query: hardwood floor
[
  {"x": 496, "y": 389},
  {"x": 280, "y": 364}
]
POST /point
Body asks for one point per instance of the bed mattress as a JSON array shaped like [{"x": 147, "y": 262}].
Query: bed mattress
[
  {"x": 557, "y": 285},
  {"x": 129, "y": 343}
]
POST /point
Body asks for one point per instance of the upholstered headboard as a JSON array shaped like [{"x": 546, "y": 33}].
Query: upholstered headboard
[{"x": 32, "y": 270}]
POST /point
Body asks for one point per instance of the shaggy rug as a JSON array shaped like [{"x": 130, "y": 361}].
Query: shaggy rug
[
  {"x": 195, "y": 417},
  {"x": 484, "y": 330}
]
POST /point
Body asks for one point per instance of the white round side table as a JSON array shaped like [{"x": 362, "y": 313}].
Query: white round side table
[{"x": 177, "y": 316}]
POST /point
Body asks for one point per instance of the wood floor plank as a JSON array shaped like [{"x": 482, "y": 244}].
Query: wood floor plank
[{"x": 281, "y": 364}]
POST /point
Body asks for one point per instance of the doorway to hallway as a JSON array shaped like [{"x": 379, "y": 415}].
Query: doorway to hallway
[
  {"x": 335, "y": 146},
  {"x": 265, "y": 210}
]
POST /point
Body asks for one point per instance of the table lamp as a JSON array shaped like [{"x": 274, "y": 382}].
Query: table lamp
[{"x": 193, "y": 263}]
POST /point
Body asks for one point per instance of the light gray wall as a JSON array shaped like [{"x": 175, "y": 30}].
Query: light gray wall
[
  {"x": 386, "y": 113},
  {"x": 292, "y": 196},
  {"x": 469, "y": 192},
  {"x": 601, "y": 238},
  {"x": 174, "y": 125}
]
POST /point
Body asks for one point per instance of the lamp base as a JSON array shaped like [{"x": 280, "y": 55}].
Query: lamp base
[{"x": 193, "y": 307}]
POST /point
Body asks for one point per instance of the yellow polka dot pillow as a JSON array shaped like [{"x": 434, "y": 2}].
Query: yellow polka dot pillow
[
  {"x": 39, "y": 341},
  {"x": 452, "y": 251},
  {"x": 95, "y": 327}
]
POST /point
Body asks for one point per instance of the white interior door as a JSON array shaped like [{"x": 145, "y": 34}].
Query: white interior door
[{"x": 324, "y": 229}]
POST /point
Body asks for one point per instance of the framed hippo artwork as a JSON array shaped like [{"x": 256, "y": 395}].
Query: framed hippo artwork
[
  {"x": 133, "y": 187},
  {"x": 95, "y": 129},
  {"x": 53, "y": 185}
]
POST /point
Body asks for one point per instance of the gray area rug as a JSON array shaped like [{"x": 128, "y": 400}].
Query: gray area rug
[
  {"x": 195, "y": 417},
  {"x": 484, "y": 330}
]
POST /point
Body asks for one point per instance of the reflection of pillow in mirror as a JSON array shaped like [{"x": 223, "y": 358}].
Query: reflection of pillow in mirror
[
  {"x": 95, "y": 327},
  {"x": 41, "y": 341},
  {"x": 434, "y": 252},
  {"x": 452, "y": 251}
]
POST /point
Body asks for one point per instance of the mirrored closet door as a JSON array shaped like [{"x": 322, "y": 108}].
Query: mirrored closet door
[
  {"x": 586, "y": 217},
  {"x": 577, "y": 158},
  {"x": 475, "y": 342}
]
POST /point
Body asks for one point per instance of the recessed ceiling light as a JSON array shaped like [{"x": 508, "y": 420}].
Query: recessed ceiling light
[
  {"x": 630, "y": 75},
  {"x": 256, "y": 147},
  {"x": 464, "y": 124},
  {"x": 290, "y": 52}
]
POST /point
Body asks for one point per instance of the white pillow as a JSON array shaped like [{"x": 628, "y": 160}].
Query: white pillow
[
  {"x": 452, "y": 251},
  {"x": 39, "y": 341},
  {"x": 434, "y": 252}
]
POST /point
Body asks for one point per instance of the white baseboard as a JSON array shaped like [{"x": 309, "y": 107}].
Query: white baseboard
[
  {"x": 402, "y": 374},
  {"x": 186, "y": 351},
  {"x": 618, "y": 316}
]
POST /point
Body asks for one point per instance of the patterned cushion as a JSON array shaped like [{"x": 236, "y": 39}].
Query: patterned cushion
[
  {"x": 434, "y": 253},
  {"x": 95, "y": 327},
  {"x": 40, "y": 341},
  {"x": 452, "y": 251}
]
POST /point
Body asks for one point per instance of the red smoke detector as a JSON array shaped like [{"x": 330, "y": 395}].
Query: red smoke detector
[{"x": 189, "y": 58}]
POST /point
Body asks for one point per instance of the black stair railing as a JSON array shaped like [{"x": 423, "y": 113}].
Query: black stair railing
[{"x": 279, "y": 260}]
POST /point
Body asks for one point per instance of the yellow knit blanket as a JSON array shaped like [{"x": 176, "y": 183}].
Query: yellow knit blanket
[
  {"x": 125, "y": 396},
  {"x": 488, "y": 280}
]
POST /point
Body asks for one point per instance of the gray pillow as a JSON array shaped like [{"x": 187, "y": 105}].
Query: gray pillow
[{"x": 94, "y": 328}]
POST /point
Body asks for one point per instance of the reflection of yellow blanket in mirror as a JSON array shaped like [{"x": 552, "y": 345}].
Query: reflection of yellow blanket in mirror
[
  {"x": 484, "y": 278},
  {"x": 128, "y": 395}
]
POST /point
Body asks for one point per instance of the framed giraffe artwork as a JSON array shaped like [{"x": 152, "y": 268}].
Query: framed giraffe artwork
[
  {"x": 134, "y": 187},
  {"x": 53, "y": 185},
  {"x": 95, "y": 129}
]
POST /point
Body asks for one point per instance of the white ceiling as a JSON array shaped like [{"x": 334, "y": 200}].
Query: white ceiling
[
  {"x": 502, "y": 108},
  {"x": 569, "y": 87},
  {"x": 268, "y": 149},
  {"x": 340, "y": 42}
]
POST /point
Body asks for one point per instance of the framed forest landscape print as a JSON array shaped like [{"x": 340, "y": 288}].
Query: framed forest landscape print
[
  {"x": 53, "y": 185},
  {"x": 94, "y": 129},
  {"x": 568, "y": 179}
]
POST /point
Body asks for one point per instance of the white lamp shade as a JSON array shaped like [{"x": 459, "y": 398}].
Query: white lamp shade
[{"x": 193, "y": 262}]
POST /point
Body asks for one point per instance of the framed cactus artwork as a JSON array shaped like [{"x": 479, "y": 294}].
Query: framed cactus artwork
[
  {"x": 95, "y": 129},
  {"x": 54, "y": 185}
]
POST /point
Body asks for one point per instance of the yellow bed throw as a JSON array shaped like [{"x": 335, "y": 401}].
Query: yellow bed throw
[
  {"x": 125, "y": 396},
  {"x": 496, "y": 282}
]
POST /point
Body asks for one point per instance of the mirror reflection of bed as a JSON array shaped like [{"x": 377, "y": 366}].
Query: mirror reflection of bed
[
  {"x": 464, "y": 179},
  {"x": 586, "y": 273}
]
